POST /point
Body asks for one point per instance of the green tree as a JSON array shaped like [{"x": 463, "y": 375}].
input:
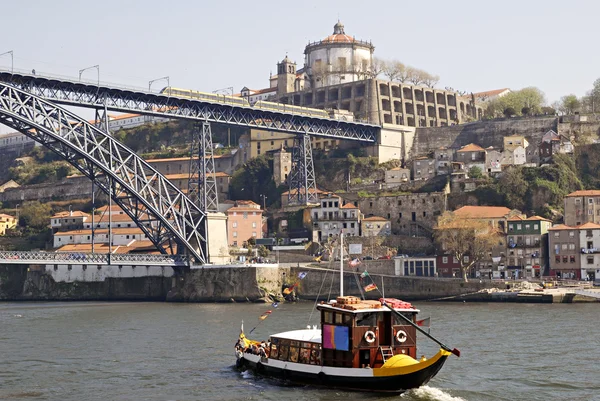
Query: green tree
[
  {"x": 569, "y": 104},
  {"x": 509, "y": 112},
  {"x": 35, "y": 215},
  {"x": 253, "y": 179},
  {"x": 468, "y": 240},
  {"x": 475, "y": 172},
  {"x": 263, "y": 251},
  {"x": 529, "y": 99},
  {"x": 514, "y": 187}
]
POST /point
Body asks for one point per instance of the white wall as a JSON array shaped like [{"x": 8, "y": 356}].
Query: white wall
[{"x": 91, "y": 273}]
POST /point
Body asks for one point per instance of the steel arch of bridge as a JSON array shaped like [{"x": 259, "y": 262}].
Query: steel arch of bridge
[
  {"x": 64, "y": 91},
  {"x": 163, "y": 212}
]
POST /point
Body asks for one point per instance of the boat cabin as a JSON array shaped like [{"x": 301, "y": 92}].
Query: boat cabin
[
  {"x": 354, "y": 334},
  {"x": 357, "y": 334}
]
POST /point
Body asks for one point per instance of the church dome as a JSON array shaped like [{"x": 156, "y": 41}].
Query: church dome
[{"x": 339, "y": 36}]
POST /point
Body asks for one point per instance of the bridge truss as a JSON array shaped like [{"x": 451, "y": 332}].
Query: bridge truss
[
  {"x": 168, "y": 218},
  {"x": 65, "y": 91}
]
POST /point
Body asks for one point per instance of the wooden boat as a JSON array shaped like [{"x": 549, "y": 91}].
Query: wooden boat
[{"x": 360, "y": 345}]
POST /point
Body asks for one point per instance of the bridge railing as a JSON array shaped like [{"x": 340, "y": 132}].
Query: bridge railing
[
  {"x": 73, "y": 258},
  {"x": 75, "y": 80}
]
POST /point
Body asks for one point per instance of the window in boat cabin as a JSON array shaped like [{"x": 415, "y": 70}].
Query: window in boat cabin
[
  {"x": 315, "y": 356},
  {"x": 328, "y": 317},
  {"x": 367, "y": 319},
  {"x": 339, "y": 318},
  {"x": 398, "y": 321},
  {"x": 348, "y": 319},
  {"x": 304, "y": 356},
  {"x": 274, "y": 354},
  {"x": 294, "y": 351},
  {"x": 284, "y": 350}
]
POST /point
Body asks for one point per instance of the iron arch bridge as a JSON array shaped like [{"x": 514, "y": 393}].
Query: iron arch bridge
[
  {"x": 167, "y": 217},
  {"x": 98, "y": 95}
]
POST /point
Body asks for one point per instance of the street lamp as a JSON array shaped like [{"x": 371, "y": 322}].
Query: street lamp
[
  {"x": 17, "y": 212},
  {"x": 158, "y": 79},
  {"x": 228, "y": 90},
  {"x": 12, "y": 60},
  {"x": 264, "y": 198},
  {"x": 97, "y": 67}
]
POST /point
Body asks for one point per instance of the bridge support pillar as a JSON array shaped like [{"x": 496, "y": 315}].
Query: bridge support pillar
[
  {"x": 303, "y": 188},
  {"x": 202, "y": 184},
  {"x": 202, "y": 190}
]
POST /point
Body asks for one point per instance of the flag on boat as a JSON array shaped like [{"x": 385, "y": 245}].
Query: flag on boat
[
  {"x": 301, "y": 275},
  {"x": 354, "y": 262},
  {"x": 424, "y": 322},
  {"x": 289, "y": 289},
  {"x": 370, "y": 287},
  {"x": 265, "y": 315},
  {"x": 364, "y": 274}
]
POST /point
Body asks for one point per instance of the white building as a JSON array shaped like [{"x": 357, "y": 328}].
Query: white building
[
  {"x": 337, "y": 59},
  {"x": 125, "y": 121},
  {"x": 121, "y": 237},
  {"x": 416, "y": 266},
  {"x": 331, "y": 217},
  {"x": 66, "y": 221},
  {"x": 16, "y": 140},
  {"x": 589, "y": 241}
]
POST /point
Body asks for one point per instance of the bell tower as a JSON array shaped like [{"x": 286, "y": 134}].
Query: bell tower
[{"x": 286, "y": 76}]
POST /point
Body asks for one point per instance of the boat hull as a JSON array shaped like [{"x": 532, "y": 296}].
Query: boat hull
[{"x": 352, "y": 379}]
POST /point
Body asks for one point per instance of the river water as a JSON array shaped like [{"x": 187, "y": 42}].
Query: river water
[{"x": 159, "y": 351}]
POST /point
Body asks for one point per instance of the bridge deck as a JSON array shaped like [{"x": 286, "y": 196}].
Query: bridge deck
[
  {"x": 80, "y": 258},
  {"x": 133, "y": 100}
]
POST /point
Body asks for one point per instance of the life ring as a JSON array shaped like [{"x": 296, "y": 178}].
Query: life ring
[
  {"x": 370, "y": 337},
  {"x": 401, "y": 336}
]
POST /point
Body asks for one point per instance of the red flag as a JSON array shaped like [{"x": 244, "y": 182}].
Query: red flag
[
  {"x": 370, "y": 287},
  {"x": 424, "y": 322}
]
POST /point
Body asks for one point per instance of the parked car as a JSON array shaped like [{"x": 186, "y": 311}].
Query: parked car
[
  {"x": 368, "y": 258},
  {"x": 385, "y": 257}
]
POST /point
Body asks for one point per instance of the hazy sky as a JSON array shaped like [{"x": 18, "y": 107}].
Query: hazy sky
[{"x": 472, "y": 45}]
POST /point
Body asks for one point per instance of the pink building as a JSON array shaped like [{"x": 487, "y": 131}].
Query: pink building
[{"x": 244, "y": 221}]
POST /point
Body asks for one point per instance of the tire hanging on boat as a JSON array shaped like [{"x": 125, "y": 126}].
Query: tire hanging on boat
[
  {"x": 370, "y": 337},
  {"x": 401, "y": 336}
]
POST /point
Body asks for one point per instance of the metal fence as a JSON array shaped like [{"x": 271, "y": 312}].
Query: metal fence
[{"x": 82, "y": 258}]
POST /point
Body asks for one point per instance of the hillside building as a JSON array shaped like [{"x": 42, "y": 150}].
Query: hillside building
[
  {"x": 337, "y": 74},
  {"x": 7, "y": 222},
  {"x": 582, "y": 207}
]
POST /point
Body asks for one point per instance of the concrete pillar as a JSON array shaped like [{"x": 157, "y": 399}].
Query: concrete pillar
[
  {"x": 403, "y": 105},
  {"x": 437, "y": 111}
]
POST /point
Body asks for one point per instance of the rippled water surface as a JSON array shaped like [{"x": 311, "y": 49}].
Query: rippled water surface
[{"x": 156, "y": 351}]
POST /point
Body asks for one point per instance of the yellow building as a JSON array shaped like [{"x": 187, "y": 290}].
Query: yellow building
[
  {"x": 512, "y": 142},
  {"x": 262, "y": 141},
  {"x": 6, "y": 223}
]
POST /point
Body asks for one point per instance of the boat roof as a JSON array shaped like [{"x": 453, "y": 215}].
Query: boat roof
[
  {"x": 311, "y": 335},
  {"x": 382, "y": 309}
]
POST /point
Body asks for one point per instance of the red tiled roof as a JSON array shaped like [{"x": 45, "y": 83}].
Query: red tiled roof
[
  {"x": 349, "y": 206},
  {"x": 490, "y": 93},
  {"x": 75, "y": 213},
  {"x": 588, "y": 192},
  {"x": 471, "y": 148},
  {"x": 115, "y": 231},
  {"x": 588, "y": 226},
  {"x": 243, "y": 209},
  {"x": 537, "y": 218},
  {"x": 480, "y": 212},
  {"x": 561, "y": 227}
]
